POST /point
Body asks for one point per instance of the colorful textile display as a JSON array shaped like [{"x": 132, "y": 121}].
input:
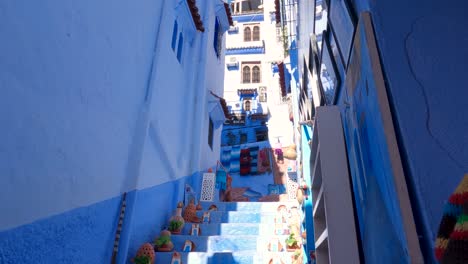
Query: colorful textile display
[
  {"x": 221, "y": 176},
  {"x": 245, "y": 161},
  {"x": 263, "y": 162},
  {"x": 253, "y": 159},
  {"x": 452, "y": 238}
]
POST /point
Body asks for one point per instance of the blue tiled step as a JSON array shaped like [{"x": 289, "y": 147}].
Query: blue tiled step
[
  {"x": 248, "y": 206},
  {"x": 240, "y": 217},
  {"x": 227, "y": 243},
  {"x": 217, "y": 229},
  {"x": 240, "y": 257}
]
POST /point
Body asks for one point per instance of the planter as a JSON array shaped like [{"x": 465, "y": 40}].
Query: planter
[
  {"x": 145, "y": 254},
  {"x": 177, "y": 222},
  {"x": 163, "y": 243},
  {"x": 176, "y": 232},
  {"x": 164, "y": 249},
  {"x": 292, "y": 249}
]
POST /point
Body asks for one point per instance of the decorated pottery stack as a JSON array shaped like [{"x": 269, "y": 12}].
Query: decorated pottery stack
[
  {"x": 177, "y": 222},
  {"x": 163, "y": 243},
  {"x": 145, "y": 255},
  {"x": 190, "y": 213}
]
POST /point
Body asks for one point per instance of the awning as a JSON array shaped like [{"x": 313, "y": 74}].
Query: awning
[
  {"x": 247, "y": 92},
  {"x": 228, "y": 13},
  {"x": 196, "y": 15}
]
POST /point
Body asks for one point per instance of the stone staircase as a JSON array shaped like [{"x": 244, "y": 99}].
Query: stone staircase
[{"x": 239, "y": 232}]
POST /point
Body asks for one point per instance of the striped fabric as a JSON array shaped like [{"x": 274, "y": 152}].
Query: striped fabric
[
  {"x": 452, "y": 238},
  {"x": 235, "y": 160},
  {"x": 226, "y": 158},
  {"x": 254, "y": 161},
  {"x": 221, "y": 179}
]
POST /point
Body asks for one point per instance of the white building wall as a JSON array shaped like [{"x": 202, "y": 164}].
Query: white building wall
[
  {"x": 278, "y": 124},
  {"x": 178, "y": 120}
]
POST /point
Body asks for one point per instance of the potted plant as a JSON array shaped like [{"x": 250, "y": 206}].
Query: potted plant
[
  {"x": 292, "y": 243},
  {"x": 142, "y": 260},
  {"x": 297, "y": 257},
  {"x": 177, "y": 222},
  {"x": 175, "y": 226},
  {"x": 145, "y": 255},
  {"x": 163, "y": 242}
]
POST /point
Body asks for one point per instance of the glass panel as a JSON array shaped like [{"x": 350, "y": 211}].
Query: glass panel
[
  {"x": 179, "y": 47},
  {"x": 247, "y": 34},
  {"x": 328, "y": 75},
  {"x": 246, "y": 74},
  {"x": 256, "y": 74},
  {"x": 256, "y": 33}
]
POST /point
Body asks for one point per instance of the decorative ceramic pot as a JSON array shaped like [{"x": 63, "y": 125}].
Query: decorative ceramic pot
[
  {"x": 147, "y": 250},
  {"x": 177, "y": 222}
]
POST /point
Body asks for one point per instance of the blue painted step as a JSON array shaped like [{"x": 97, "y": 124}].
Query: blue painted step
[
  {"x": 239, "y": 257},
  {"x": 217, "y": 229},
  {"x": 238, "y": 232},
  {"x": 240, "y": 217},
  {"x": 227, "y": 243},
  {"x": 248, "y": 206}
]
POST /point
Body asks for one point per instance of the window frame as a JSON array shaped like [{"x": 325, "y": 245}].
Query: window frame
[
  {"x": 175, "y": 34},
  {"x": 247, "y": 36},
  {"x": 180, "y": 47},
  {"x": 210, "y": 133},
  {"x": 250, "y": 65},
  {"x": 218, "y": 38},
  {"x": 256, "y": 34},
  {"x": 246, "y": 77},
  {"x": 252, "y": 35},
  {"x": 247, "y": 105},
  {"x": 256, "y": 75}
]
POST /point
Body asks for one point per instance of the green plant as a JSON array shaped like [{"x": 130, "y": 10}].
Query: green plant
[
  {"x": 162, "y": 240},
  {"x": 297, "y": 253},
  {"x": 291, "y": 241},
  {"x": 175, "y": 225},
  {"x": 142, "y": 260}
]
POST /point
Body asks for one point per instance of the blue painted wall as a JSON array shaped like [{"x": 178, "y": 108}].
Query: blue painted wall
[
  {"x": 249, "y": 18},
  {"x": 82, "y": 235},
  {"x": 86, "y": 234},
  {"x": 378, "y": 208},
  {"x": 424, "y": 73},
  {"x": 87, "y": 105},
  {"x": 72, "y": 82},
  {"x": 423, "y": 53}
]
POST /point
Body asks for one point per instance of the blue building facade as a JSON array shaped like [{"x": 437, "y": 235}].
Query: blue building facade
[
  {"x": 101, "y": 99},
  {"x": 247, "y": 120},
  {"x": 429, "y": 133}
]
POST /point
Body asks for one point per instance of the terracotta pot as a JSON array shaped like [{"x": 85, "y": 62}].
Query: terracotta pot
[
  {"x": 176, "y": 232},
  {"x": 292, "y": 249},
  {"x": 164, "y": 249},
  {"x": 300, "y": 196}
]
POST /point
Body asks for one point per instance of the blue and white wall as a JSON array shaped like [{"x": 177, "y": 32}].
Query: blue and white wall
[
  {"x": 422, "y": 51},
  {"x": 273, "y": 52},
  {"x": 94, "y": 103}
]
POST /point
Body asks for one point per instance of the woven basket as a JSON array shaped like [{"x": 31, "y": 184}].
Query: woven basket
[{"x": 290, "y": 153}]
